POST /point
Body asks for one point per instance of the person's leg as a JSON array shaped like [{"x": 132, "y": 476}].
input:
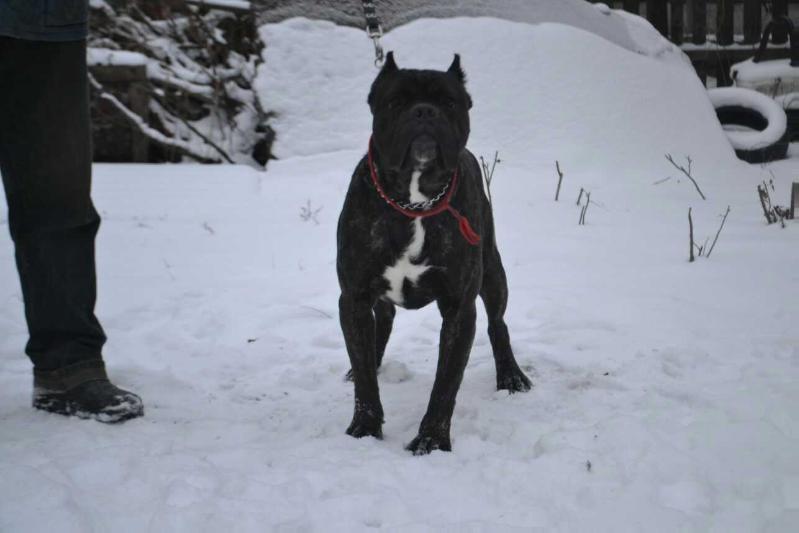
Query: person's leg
[{"x": 45, "y": 161}]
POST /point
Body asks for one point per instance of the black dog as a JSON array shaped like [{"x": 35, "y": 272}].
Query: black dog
[{"x": 416, "y": 227}]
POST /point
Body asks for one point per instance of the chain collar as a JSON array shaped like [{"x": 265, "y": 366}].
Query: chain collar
[
  {"x": 443, "y": 199},
  {"x": 418, "y": 206}
]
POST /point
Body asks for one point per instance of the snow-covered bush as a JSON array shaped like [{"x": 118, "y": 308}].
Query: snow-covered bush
[{"x": 194, "y": 98}]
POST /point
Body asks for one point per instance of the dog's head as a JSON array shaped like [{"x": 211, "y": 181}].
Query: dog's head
[{"x": 420, "y": 117}]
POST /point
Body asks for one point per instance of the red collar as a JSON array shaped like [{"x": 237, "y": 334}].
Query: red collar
[{"x": 443, "y": 205}]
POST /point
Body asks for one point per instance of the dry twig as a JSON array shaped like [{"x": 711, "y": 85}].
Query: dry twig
[
  {"x": 488, "y": 173},
  {"x": 721, "y": 227},
  {"x": 560, "y": 179},
  {"x": 584, "y": 210},
  {"x": 691, "y": 236},
  {"x": 687, "y": 172}
]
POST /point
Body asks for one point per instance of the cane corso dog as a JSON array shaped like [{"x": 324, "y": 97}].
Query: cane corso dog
[{"x": 416, "y": 227}]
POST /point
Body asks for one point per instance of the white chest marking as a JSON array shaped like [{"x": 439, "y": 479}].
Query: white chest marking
[{"x": 404, "y": 268}]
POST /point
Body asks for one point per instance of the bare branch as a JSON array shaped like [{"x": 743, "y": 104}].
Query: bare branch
[
  {"x": 560, "y": 179},
  {"x": 723, "y": 220},
  {"x": 686, "y": 172},
  {"x": 182, "y": 147},
  {"x": 488, "y": 173},
  {"x": 585, "y": 209},
  {"x": 691, "y": 236}
]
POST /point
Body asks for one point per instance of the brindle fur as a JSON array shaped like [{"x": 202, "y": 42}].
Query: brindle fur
[{"x": 372, "y": 235}]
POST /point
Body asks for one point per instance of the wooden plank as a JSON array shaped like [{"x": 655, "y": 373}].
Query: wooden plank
[
  {"x": 780, "y": 9},
  {"x": 723, "y": 78},
  {"x": 795, "y": 201},
  {"x": 677, "y": 21},
  {"x": 725, "y": 11},
  {"x": 736, "y": 55},
  {"x": 633, "y": 6},
  {"x": 716, "y": 61},
  {"x": 657, "y": 12},
  {"x": 699, "y": 25},
  {"x": 139, "y": 103},
  {"x": 753, "y": 21}
]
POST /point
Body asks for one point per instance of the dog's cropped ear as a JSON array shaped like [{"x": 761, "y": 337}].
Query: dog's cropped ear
[
  {"x": 456, "y": 70},
  {"x": 390, "y": 65}
]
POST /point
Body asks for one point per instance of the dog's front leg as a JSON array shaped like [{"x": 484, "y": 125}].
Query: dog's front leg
[
  {"x": 358, "y": 325},
  {"x": 457, "y": 335}
]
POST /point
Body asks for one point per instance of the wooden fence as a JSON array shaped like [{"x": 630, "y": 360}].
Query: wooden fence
[
  {"x": 670, "y": 17},
  {"x": 714, "y": 33}
]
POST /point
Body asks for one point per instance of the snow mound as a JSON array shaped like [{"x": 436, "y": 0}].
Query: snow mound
[
  {"x": 541, "y": 92},
  {"x": 599, "y": 19}
]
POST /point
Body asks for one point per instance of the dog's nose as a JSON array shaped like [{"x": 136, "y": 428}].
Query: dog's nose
[{"x": 424, "y": 112}]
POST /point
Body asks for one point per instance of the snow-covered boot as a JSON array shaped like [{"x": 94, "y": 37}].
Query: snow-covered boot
[{"x": 86, "y": 394}]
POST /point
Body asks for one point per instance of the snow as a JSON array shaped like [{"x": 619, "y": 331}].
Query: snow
[
  {"x": 675, "y": 380},
  {"x": 750, "y": 72},
  {"x": 236, "y": 4},
  {"x": 546, "y": 61},
  {"x": 765, "y": 106},
  {"x": 773, "y": 77},
  {"x": 788, "y": 101},
  {"x": 612, "y": 25},
  {"x": 106, "y": 57}
]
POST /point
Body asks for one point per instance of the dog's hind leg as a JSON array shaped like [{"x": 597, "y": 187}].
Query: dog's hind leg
[
  {"x": 384, "y": 321},
  {"x": 494, "y": 293}
]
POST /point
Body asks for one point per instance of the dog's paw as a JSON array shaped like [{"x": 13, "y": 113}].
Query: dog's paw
[
  {"x": 424, "y": 444},
  {"x": 364, "y": 425},
  {"x": 513, "y": 380}
]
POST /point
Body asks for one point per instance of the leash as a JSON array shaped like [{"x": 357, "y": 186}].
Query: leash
[
  {"x": 374, "y": 30},
  {"x": 412, "y": 211}
]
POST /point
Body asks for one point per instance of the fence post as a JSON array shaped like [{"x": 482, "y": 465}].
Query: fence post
[
  {"x": 753, "y": 21},
  {"x": 677, "y": 21},
  {"x": 724, "y": 21},
  {"x": 779, "y": 8},
  {"x": 632, "y": 6},
  {"x": 699, "y": 17},
  {"x": 657, "y": 11}
]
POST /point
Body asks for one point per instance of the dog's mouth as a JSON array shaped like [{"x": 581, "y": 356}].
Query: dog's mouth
[{"x": 423, "y": 150}]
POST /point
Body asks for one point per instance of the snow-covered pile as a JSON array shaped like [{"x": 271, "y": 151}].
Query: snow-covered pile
[
  {"x": 200, "y": 59},
  {"x": 772, "y": 77},
  {"x": 628, "y": 31},
  {"x": 665, "y": 395},
  {"x": 540, "y": 91}
]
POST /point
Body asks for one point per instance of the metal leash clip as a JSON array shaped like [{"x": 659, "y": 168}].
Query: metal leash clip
[
  {"x": 375, "y": 35},
  {"x": 374, "y": 30}
]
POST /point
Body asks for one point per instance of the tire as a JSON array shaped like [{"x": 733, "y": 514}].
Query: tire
[{"x": 756, "y": 111}]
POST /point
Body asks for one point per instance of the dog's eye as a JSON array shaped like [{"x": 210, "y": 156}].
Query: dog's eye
[
  {"x": 450, "y": 103},
  {"x": 394, "y": 103}
]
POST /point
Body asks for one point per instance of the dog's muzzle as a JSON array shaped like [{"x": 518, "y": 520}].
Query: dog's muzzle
[{"x": 423, "y": 150}]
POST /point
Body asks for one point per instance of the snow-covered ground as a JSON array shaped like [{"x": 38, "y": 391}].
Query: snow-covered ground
[{"x": 665, "y": 392}]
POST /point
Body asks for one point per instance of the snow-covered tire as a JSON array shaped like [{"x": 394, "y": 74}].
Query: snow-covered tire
[{"x": 745, "y": 107}]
